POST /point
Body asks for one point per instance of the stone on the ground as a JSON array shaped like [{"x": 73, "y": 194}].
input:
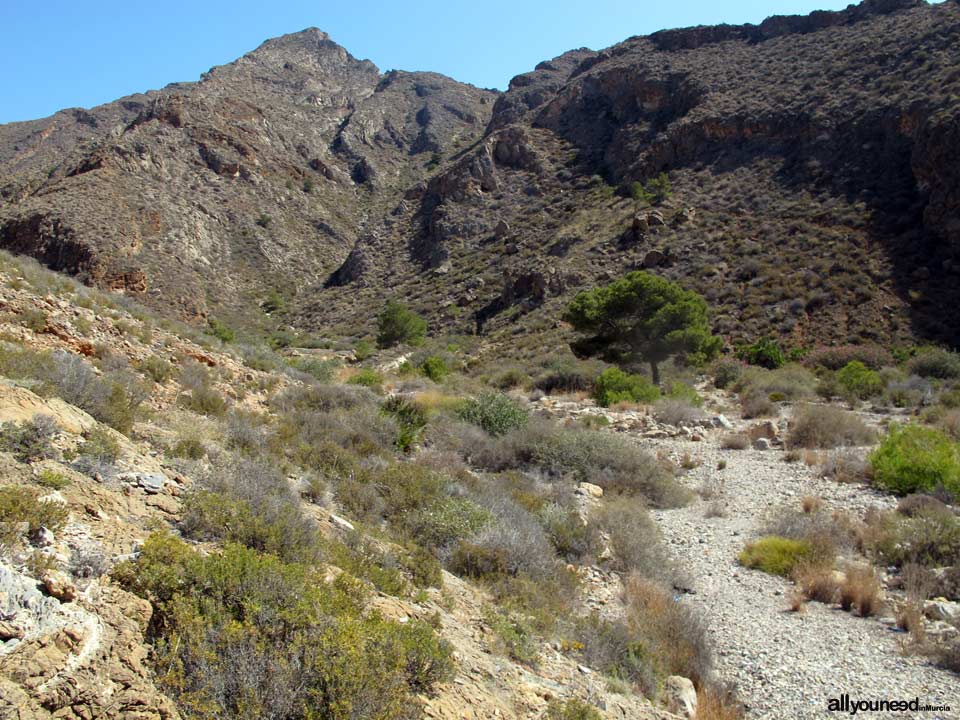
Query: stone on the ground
[{"x": 680, "y": 696}]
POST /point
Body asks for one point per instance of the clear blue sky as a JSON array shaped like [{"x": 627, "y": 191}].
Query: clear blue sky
[{"x": 70, "y": 53}]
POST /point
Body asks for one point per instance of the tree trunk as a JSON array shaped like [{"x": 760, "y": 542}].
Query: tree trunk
[{"x": 655, "y": 373}]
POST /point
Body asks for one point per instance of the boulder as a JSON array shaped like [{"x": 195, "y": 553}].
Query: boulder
[
  {"x": 58, "y": 584},
  {"x": 761, "y": 443},
  {"x": 680, "y": 696},
  {"x": 942, "y": 609},
  {"x": 590, "y": 490},
  {"x": 766, "y": 429}
]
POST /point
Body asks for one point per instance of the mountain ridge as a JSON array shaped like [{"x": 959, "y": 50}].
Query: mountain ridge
[{"x": 298, "y": 168}]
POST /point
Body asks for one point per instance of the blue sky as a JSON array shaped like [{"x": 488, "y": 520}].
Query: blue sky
[{"x": 78, "y": 54}]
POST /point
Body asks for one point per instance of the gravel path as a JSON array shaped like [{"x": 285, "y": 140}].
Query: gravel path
[{"x": 785, "y": 664}]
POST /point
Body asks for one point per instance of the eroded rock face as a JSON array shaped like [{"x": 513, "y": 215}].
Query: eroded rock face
[{"x": 80, "y": 659}]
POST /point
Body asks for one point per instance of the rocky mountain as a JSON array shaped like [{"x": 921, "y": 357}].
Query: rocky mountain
[{"x": 813, "y": 163}]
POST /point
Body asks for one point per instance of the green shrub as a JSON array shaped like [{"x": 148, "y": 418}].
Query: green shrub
[
  {"x": 935, "y": 363},
  {"x": 494, "y": 412},
  {"x": 321, "y": 370},
  {"x": 30, "y": 441},
  {"x": 243, "y": 634},
  {"x": 858, "y": 381},
  {"x": 572, "y": 709},
  {"x": 765, "y": 352},
  {"x": 775, "y": 555},
  {"x": 250, "y": 503},
  {"x": 221, "y": 331},
  {"x": 411, "y": 417},
  {"x": 52, "y": 479},
  {"x": 435, "y": 368},
  {"x": 363, "y": 350},
  {"x": 516, "y": 635},
  {"x": 726, "y": 372},
  {"x": 681, "y": 391},
  {"x": 188, "y": 447},
  {"x": 398, "y": 324},
  {"x": 613, "y": 386},
  {"x": 23, "y": 505},
  {"x": 913, "y": 458},
  {"x": 929, "y": 537},
  {"x": 156, "y": 368},
  {"x": 366, "y": 378},
  {"x": 100, "y": 445},
  {"x": 205, "y": 400}
]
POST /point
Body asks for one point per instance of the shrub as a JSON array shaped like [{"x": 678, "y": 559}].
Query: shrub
[
  {"x": 113, "y": 398},
  {"x": 858, "y": 381},
  {"x": 860, "y": 589},
  {"x": 757, "y": 405},
  {"x": 30, "y": 441},
  {"x": 930, "y": 538},
  {"x": 572, "y": 709},
  {"x": 516, "y": 635},
  {"x": 726, "y": 372},
  {"x": 398, "y": 324},
  {"x": 321, "y": 370},
  {"x": 250, "y": 503},
  {"x": 564, "y": 380},
  {"x": 244, "y": 634},
  {"x": 824, "y": 426},
  {"x": 634, "y": 540},
  {"x": 565, "y": 528},
  {"x": 790, "y": 382},
  {"x": 101, "y": 446},
  {"x": 677, "y": 412},
  {"x": 935, "y": 363},
  {"x": 156, "y": 368},
  {"x": 613, "y": 386},
  {"x": 435, "y": 368},
  {"x": 775, "y": 555},
  {"x": 52, "y": 479},
  {"x": 190, "y": 448},
  {"x": 673, "y": 637},
  {"x": 735, "y": 441},
  {"x": 816, "y": 581},
  {"x": 512, "y": 543},
  {"x": 363, "y": 350},
  {"x": 765, "y": 352},
  {"x": 495, "y": 413},
  {"x": 322, "y": 398},
  {"x": 204, "y": 400},
  {"x": 410, "y": 416},
  {"x": 22, "y": 505},
  {"x": 873, "y": 357},
  {"x": 616, "y": 650},
  {"x": 221, "y": 331},
  {"x": 913, "y": 458},
  {"x": 366, "y": 378}
]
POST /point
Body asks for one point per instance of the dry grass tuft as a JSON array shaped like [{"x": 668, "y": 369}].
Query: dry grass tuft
[
  {"x": 735, "y": 441},
  {"x": 825, "y": 427},
  {"x": 717, "y": 703},
  {"x": 816, "y": 582},
  {"x": 811, "y": 504},
  {"x": 860, "y": 591}
]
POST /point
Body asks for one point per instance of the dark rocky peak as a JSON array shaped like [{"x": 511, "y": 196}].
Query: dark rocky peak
[
  {"x": 531, "y": 90},
  {"x": 776, "y": 25}
]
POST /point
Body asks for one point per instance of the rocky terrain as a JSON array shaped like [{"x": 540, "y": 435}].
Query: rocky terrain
[{"x": 812, "y": 163}]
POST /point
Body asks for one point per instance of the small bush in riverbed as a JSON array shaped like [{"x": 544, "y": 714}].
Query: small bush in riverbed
[
  {"x": 775, "y": 555},
  {"x": 859, "y": 382},
  {"x": 735, "y": 441},
  {"x": 913, "y": 458},
  {"x": 861, "y": 590},
  {"x": 824, "y": 426},
  {"x": 614, "y": 385}
]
